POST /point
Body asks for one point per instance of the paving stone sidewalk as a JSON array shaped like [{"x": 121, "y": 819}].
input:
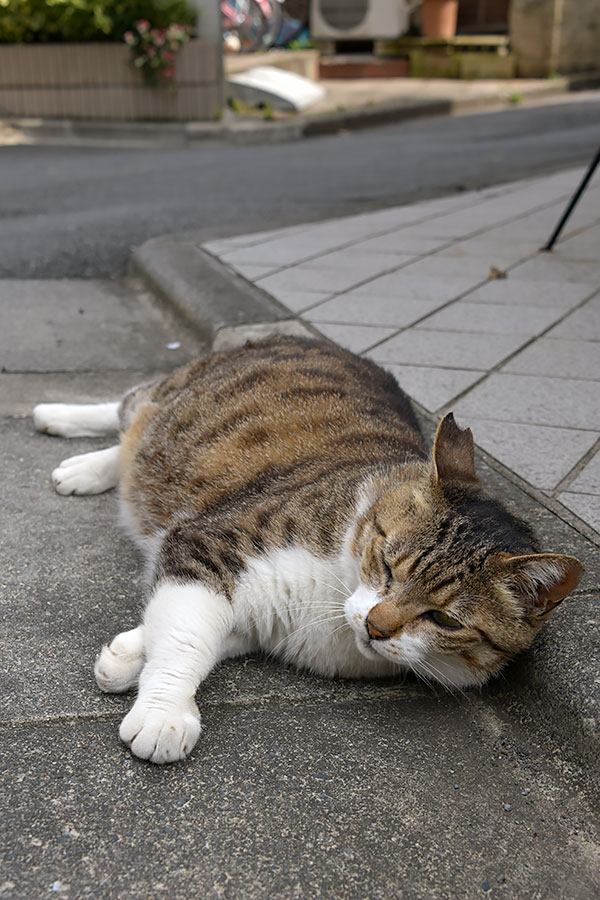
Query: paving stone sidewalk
[{"x": 454, "y": 297}]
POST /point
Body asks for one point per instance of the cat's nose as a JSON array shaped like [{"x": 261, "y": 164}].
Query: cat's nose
[
  {"x": 383, "y": 621},
  {"x": 374, "y": 633}
]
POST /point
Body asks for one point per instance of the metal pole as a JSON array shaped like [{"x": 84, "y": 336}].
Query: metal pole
[{"x": 573, "y": 202}]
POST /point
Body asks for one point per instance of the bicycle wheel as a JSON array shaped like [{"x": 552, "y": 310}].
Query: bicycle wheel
[
  {"x": 243, "y": 19},
  {"x": 271, "y": 10}
]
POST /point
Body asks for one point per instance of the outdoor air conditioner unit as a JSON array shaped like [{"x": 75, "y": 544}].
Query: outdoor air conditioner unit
[{"x": 352, "y": 20}]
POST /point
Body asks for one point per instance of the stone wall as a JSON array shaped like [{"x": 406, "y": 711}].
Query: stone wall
[
  {"x": 550, "y": 36},
  {"x": 96, "y": 81}
]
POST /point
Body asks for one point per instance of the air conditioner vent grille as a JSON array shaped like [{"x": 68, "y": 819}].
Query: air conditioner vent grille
[{"x": 344, "y": 16}]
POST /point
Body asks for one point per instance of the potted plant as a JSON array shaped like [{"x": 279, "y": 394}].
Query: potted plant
[{"x": 438, "y": 18}]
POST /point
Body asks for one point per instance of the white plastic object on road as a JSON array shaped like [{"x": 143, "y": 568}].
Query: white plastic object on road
[{"x": 274, "y": 87}]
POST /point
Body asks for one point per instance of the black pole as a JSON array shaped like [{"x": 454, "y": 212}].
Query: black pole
[{"x": 573, "y": 202}]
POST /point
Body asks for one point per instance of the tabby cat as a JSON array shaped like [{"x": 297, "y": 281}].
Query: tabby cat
[{"x": 284, "y": 502}]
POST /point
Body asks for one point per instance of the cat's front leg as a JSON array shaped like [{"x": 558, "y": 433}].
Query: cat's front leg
[{"x": 185, "y": 628}]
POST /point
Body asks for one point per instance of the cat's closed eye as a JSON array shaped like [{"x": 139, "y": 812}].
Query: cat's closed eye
[{"x": 443, "y": 619}]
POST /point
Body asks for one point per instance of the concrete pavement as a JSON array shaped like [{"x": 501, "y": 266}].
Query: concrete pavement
[{"x": 299, "y": 787}]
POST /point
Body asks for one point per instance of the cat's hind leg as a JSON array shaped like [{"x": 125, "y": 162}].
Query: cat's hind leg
[
  {"x": 119, "y": 663},
  {"x": 72, "y": 420},
  {"x": 88, "y": 473},
  {"x": 185, "y": 626}
]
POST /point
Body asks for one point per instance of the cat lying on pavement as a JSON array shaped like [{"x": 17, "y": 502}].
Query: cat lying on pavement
[{"x": 284, "y": 502}]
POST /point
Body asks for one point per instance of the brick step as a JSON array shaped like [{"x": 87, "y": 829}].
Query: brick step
[{"x": 363, "y": 65}]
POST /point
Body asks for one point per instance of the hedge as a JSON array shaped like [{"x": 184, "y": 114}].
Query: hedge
[{"x": 34, "y": 21}]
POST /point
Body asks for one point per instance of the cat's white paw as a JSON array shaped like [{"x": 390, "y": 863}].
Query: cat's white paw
[
  {"x": 119, "y": 663},
  {"x": 161, "y": 735},
  {"x": 88, "y": 473},
  {"x": 76, "y": 419},
  {"x": 54, "y": 418}
]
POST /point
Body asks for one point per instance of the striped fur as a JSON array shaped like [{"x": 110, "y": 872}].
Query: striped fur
[
  {"x": 271, "y": 446},
  {"x": 285, "y": 502}
]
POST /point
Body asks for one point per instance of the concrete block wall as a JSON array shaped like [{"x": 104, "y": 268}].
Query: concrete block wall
[{"x": 550, "y": 36}]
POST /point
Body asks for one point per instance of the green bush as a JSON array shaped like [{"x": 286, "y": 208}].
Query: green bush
[{"x": 29, "y": 21}]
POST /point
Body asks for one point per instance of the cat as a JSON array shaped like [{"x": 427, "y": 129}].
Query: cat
[{"x": 284, "y": 502}]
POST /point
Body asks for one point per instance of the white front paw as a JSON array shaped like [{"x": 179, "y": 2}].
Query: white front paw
[
  {"x": 87, "y": 473},
  {"x": 161, "y": 735}
]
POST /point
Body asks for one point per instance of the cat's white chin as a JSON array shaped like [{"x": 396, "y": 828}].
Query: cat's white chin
[{"x": 364, "y": 647}]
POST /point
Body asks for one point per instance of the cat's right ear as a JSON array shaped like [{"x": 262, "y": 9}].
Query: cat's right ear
[{"x": 453, "y": 457}]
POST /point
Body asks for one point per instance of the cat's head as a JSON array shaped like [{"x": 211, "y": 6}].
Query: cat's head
[{"x": 451, "y": 583}]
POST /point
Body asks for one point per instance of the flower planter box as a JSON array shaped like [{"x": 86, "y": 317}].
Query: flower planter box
[{"x": 96, "y": 81}]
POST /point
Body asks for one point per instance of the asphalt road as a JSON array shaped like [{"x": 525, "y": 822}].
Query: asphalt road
[{"x": 79, "y": 212}]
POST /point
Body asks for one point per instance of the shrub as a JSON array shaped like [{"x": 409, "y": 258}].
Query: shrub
[{"x": 29, "y": 21}]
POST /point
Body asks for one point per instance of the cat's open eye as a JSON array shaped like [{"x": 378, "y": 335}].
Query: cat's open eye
[{"x": 443, "y": 619}]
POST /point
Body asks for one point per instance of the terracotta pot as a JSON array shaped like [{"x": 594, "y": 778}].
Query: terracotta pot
[{"x": 438, "y": 18}]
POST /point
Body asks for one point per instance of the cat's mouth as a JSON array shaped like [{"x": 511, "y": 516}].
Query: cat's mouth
[{"x": 364, "y": 644}]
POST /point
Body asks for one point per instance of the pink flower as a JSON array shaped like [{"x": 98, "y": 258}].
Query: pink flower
[
  {"x": 169, "y": 55},
  {"x": 142, "y": 26},
  {"x": 151, "y": 51},
  {"x": 129, "y": 38},
  {"x": 169, "y": 72}
]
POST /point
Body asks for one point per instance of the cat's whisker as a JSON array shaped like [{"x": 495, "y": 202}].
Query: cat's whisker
[
  {"x": 324, "y": 606},
  {"x": 322, "y": 621},
  {"x": 419, "y": 675},
  {"x": 443, "y": 679},
  {"x": 340, "y": 627},
  {"x": 343, "y": 583}
]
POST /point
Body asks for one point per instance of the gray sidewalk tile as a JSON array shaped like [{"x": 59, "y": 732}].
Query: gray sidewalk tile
[
  {"x": 298, "y": 301},
  {"x": 588, "y": 481},
  {"x": 473, "y": 267},
  {"x": 433, "y": 388},
  {"x": 371, "y": 264},
  {"x": 559, "y": 402},
  {"x": 489, "y": 250},
  {"x": 251, "y": 272},
  {"x": 301, "y": 278},
  {"x": 584, "y": 246},
  {"x": 583, "y": 324},
  {"x": 288, "y": 250},
  {"x": 417, "y": 287},
  {"x": 354, "y": 309},
  {"x": 237, "y": 242},
  {"x": 490, "y": 318},
  {"x": 562, "y": 294},
  {"x": 447, "y": 349},
  {"x": 356, "y": 338},
  {"x": 546, "y": 267},
  {"x": 400, "y": 241},
  {"x": 586, "y": 506},
  {"x": 539, "y": 454},
  {"x": 558, "y": 358}
]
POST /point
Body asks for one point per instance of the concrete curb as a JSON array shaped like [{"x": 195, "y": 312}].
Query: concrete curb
[
  {"x": 207, "y": 295},
  {"x": 252, "y": 130},
  {"x": 554, "y": 685}
]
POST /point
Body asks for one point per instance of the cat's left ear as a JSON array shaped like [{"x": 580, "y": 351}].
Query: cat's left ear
[
  {"x": 543, "y": 580},
  {"x": 453, "y": 452}
]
